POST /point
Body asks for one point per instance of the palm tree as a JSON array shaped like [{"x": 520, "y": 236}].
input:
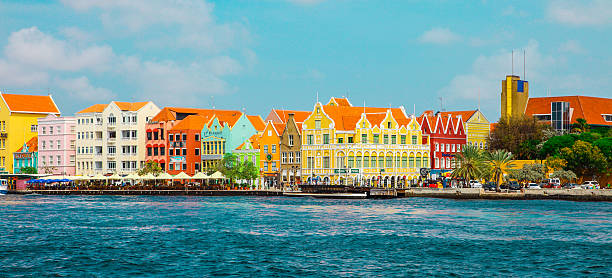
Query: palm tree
[
  {"x": 469, "y": 163},
  {"x": 499, "y": 161}
]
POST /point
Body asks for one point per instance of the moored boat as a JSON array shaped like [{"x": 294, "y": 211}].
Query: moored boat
[{"x": 3, "y": 186}]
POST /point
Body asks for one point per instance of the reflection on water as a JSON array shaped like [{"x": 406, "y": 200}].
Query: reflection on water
[{"x": 273, "y": 236}]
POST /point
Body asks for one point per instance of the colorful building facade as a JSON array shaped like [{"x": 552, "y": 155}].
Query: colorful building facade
[
  {"x": 26, "y": 156},
  {"x": 365, "y": 146},
  {"x": 269, "y": 154},
  {"x": 57, "y": 145},
  {"x": 184, "y": 146},
  {"x": 291, "y": 151},
  {"x": 446, "y": 137},
  {"x": 19, "y": 116},
  {"x": 249, "y": 151},
  {"x": 477, "y": 126},
  {"x": 514, "y": 96},
  {"x": 111, "y": 137}
]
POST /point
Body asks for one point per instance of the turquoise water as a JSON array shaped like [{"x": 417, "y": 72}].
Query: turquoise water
[{"x": 110, "y": 236}]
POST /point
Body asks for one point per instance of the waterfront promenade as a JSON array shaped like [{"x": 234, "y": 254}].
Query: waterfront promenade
[{"x": 446, "y": 193}]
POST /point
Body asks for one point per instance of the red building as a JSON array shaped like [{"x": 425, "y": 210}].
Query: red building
[
  {"x": 184, "y": 146},
  {"x": 447, "y": 138}
]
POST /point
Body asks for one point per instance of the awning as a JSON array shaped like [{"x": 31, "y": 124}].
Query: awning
[
  {"x": 149, "y": 130},
  {"x": 162, "y": 145},
  {"x": 149, "y": 145},
  {"x": 154, "y": 145},
  {"x": 162, "y": 161}
]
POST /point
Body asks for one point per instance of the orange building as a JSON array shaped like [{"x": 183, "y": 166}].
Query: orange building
[
  {"x": 562, "y": 112},
  {"x": 269, "y": 151}
]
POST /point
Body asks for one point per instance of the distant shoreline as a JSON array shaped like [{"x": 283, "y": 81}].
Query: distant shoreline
[{"x": 587, "y": 195}]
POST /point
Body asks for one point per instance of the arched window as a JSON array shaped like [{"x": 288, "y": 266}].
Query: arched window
[{"x": 437, "y": 162}]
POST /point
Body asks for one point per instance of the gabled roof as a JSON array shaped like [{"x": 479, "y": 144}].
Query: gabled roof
[
  {"x": 123, "y": 106},
  {"x": 229, "y": 117},
  {"x": 279, "y": 115},
  {"x": 257, "y": 122},
  {"x": 588, "y": 108},
  {"x": 343, "y": 101},
  {"x": 254, "y": 139},
  {"x": 191, "y": 122},
  {"x": 465, "y": 115},
  {"x": 32, "y": 145},
  {"x": 347, "y": 117},
  {"x": 130, "y": 106},
  {"x": 279, "y": 128},
  {"x": 30, "y": 103}
]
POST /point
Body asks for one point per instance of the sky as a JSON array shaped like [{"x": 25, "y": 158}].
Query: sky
[{"x": 259, "y": 55}]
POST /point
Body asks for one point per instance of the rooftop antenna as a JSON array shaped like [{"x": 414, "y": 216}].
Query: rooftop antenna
[
  {"x": 478, "y": 98},
  {"x": 524, "y": 59},
  {"x": 512, "y": 62},
  {"x": 364, "y": 107},
  {"x": 212, "y": 102},
  {"x": 441, "y": 104},
  {"x": 414, "y": 109},
  {"x": 317, "y": 96}
]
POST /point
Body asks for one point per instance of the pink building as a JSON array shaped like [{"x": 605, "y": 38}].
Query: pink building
[{"x": 56, "y": 145}]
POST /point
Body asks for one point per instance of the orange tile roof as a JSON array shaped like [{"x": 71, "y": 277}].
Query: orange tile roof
[
  {"x": 341, "y": 101},
  {"x": 32, "y": 145},
  {"x": 465, "y": 115},
  {"x": 191, "y": 122},
  {"x": 492, "y": 126},
  {"x": 225, "y": 116},
  {"x": 30, "y": 103},
  {"x": 283, "y": 115},
  {"x": 257, "y": 122},
  {"x": 347, "y": 117},
  {"x": 255, "y": 141},
  {"x": 130, "y": 106},
  {"x": 279, "y": 127},
  {"x": 96, "y": 108},
  {"x": 588, "y": 108}
]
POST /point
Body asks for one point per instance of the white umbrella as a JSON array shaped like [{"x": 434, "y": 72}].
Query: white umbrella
[
  {"x": 217, "y": 175},
  {"x": 132, "y": 176},
  {"x": 115, "y": 176},
  {"x": 182, "y": 176},
  {"x": 98, "y": 177},
  {"x": 148, "y": 176},
  {"x": 164, "y": 176},
  {"x": 200, "y": 176}
]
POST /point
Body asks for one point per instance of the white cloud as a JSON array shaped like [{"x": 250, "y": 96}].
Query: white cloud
[
  {"x": 483, "y": 81},
  {"x": 572, "y": 46},
  {"x": 32, "y": 48},
  {"x": 595, "y": 12},
  {"x": 81, "y": 89},
  {"x": 439, "y": 36},
  {"x": 75, "y": 34},
  {"x": 34, "y": 59},
  {"x": 191, "y": 21}
]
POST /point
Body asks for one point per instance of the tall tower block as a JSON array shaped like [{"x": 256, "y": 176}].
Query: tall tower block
[{"x": 514, "y": 96}]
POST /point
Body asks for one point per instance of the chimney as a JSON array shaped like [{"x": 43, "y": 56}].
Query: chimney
[{"x": 291, "y": 117}]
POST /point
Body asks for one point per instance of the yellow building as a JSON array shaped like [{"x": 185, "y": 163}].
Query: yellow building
[
  {"x": 514, "y": 96},
  {"x": 19, "y": 122},
  {"x": 477, "y": 126},
  {"x": 366, "y": 146}
]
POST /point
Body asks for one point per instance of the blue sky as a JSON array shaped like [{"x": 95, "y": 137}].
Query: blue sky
[{"x": 259, "y": 55}]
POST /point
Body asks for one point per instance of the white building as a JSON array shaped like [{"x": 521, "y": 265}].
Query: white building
[{"x": 111, "y": 137}]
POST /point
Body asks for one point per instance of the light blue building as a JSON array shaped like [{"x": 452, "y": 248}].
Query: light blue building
[{"x": 26, "y": 156}]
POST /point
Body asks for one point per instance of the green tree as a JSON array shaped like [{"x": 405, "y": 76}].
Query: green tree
[
  {"x": 555, "y": 163},
  {"x": 499, "y": 161},
  {"x": 529, "y": 172},
  {"x": 584, "y": 159},
  {"x": 229, "y": 167},
  {"x": 553, "y": 145},
  {"x": 248, "y": 171},
  {"x": 150, "y": 167},
  {"x": 28, "y": 170},
  {"x": 469, "y": 163},
  {"x": 581, "y": 125},
  {"x": 563, "y": 175},
  {"x": 518, "y": 135},
  {"x": 605, "y": 146}
]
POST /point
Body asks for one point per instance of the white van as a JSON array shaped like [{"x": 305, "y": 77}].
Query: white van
[
  {"x": 475, "y": 184},
  {"x": 590, "y": 185}
]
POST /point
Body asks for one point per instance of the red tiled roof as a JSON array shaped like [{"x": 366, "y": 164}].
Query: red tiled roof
[
  {"x": 32, "y": 145},
  {"x": 191, "y": 122},
  {"x": 588, "y": 108},
  {"x": 30, "y": 103},
  {"x": 225, "y": 116},
  {"x": 279, "y": 127},
  {"x": 257, "y": 122},
  {"x": 255, "y": 141}
]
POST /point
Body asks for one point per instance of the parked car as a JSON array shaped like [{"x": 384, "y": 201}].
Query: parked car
[
  {"x": 533, "y": 185},
  {"x": 490, "y": 186},
  {"x": 590, "y": 185},
  {"x": 514, "y": 185},
  {"x": 570, "y": 185},
  {"x": 475, "y": 184}
]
